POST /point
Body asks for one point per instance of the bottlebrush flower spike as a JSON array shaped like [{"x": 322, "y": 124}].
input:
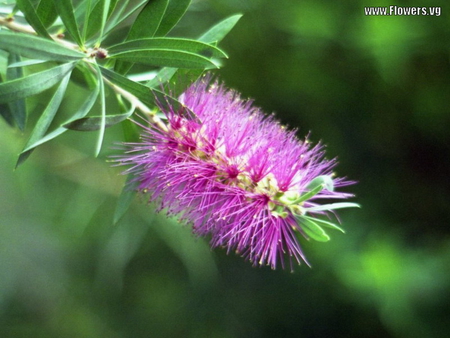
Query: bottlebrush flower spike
[{"x": 236, "y": 175}]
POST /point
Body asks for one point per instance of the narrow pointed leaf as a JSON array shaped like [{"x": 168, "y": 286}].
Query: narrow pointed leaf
[
  {"x": 313, "y": 231},
  {"x": 103, "y": 17},
  {"x": 324, "y": 223},
  {"x": 145, "y": 26},
  {"x": 27, "y": 8},
  {"x": 35, "y": 47},
  {"x": 148, "y": 20},
  {"x": 102, "y": 122},
  {"x": 175, "y": 44},
  {"x": 308, "y": 194},
  {"x": 174, "y": 12},
  {"x": 66, "y": 12},
  {"x": 33, "y": 84},
  {"x": 80, "y": 113},
  {"x": 26, "y": 63},
  {"x": 333, "y": 206},
  {"x": 17, "y": 107},
  {"x": 220, "y": 30},
  {"x": 5, "y": 111},
  {"x": 164, "y": 75},
  {"x": 92, "y": 11},
  {"x": 6, "y": 114},
  {"x": 325, "y": 181},
  {"x": 46, "y": 12},
  {"x": 126, "y": 197},
  {"x": 96, "y": 122},
  {"x": 166, "y": 58},
  {"x": 121, "y": 13},
  {"x": 45, "y": 119}
]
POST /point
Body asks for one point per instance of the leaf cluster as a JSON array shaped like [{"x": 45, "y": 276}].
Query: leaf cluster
[{"x": 49, "y": 44}]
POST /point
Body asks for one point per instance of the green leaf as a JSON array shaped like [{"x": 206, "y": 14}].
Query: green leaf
[
  {"x": 45, "y": 119},
  {"x": 145, "y": 26},
  {"x": 121, "y": 14},
  {"x": 35, "y": 47},
  {"x": 92, "y": 13},
  {"x": 163, "y": 76},
  {"x": 312, "y": 230},
  {"x": 80, "y": 113},
  {"x": 324, "y": 181},
  {"x": 324, "y": 223},
  {"x": 174, "y": 12},
  {"x": 27, "y": 8},
  {"x": 66, "y": 12},
  {"x": 308, "y": 194},
  {"x": 333, "y": 206},
  {"x": 102, "y": 122},
  {"x": 149, "y": 97},
  {"x": 96, "y": 122},
  {"x": 46, "y": 12},
  {"x": 148, "y": 20},
  {"x": 33, "y": 84},
  {"x": 17, "y": 107},
  {"x": 25, "y": 63},
  {"x": 167, "y": 44},
  {"x": 5, "y": 112},
  {"x": 129, "y": 190},
  {"x": 130, "y": 130},
  {"x": 220, "y": 30},
  {"x": 97, "y": 20},
  {"x": 166, "y": 58}
]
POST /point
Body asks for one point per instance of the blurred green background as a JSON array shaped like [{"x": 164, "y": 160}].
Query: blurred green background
[{"x": 375, "y": 90}]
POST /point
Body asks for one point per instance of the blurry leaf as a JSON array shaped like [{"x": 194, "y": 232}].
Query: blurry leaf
[
  {"x": 182, "y": 79},
  {"x": 92, "y": 13},
  {"x": 97, "y": 19},
  {"x": 323, "y": 223},
  {"x": 164, "y": 75},
  {"x": 112, "y": 6},
  {"x": 145, "y": 26},
  {"x": 324, "y": 181},
  {"x": 17, "y": 108},
  {"x": 102, "y": 121},
  {"x": 120, "y": 14},
  {"x": 308, "y": 194},
  {"x": 25, "y": 63},
  {"x": 5, "y": 112},
  {"x": 46, "y": 12},
  {"x": 45, "y": 119},
  {"x": 127, "y": 195},
  {"x": 80, "y": 113},
  {"x": 174, "y": 12},
  {"x": 333, "y": 206},
  {"x": 33, "y": 84},
  {"x": 148, "y": 20},
  {"x": 104, "y": 17},
  {"x": 131, "y": 132},
  {"x": 313, "y": 230},
  {"x": 27, "y": 8},
  {"x": 35, "y": 47},
  {"x": 169, "y": 58},
  {"x": 167, "y": 44},
  {"x": 220, "y": 30},
  {"x": 149, "y": 97},
  {"x": 83, "y": 76},
  {"x": 96, "y": 122},
  {"x": 66, "y": 12}
]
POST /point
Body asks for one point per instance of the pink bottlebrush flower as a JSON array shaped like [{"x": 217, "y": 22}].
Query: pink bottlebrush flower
[{"x": 236, "y": 175}]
